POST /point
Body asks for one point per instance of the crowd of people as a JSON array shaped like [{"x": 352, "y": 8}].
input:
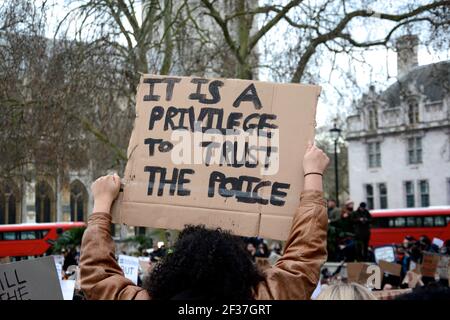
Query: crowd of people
[
  {"x": 411, "y": 253},
  {"x": 356, "y": 291},
  {"x": 349, "y": 232},
  {"x": 259, "y": 248},
  {"x": 213, "y": 264},
  {"x": 348, "y": 241},
  {"x": 71, "y": 256}
]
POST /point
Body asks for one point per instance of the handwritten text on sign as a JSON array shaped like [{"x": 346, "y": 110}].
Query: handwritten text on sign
[
  {"x": 218, "y": 152},
  {"x": 12, "y": 286},
  {"x": 130, "y": 267},
  {"x": 210, "y": 136}
]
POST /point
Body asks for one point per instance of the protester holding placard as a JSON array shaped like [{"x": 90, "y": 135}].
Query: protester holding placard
[{"x": 212, "y": 264}]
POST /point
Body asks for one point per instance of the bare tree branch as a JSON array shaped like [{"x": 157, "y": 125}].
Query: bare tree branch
[{"x": 337, "y": 31}]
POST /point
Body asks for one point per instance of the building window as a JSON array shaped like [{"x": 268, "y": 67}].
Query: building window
[
  {"x": 424, "y": 193},
  {"x": 382, "y": 191},
  {"x": 374, "y": 154},
  {"x": 9, "y": 203},
  {"x": 369, "y": 196},
  {"x": 409, "y": 192},
  {"x": 413, "y": 112},
  {"x": 373, "y": 119},
  {"x": 414, "y": 150},
  {"x": 45, "y": 203},
  {"x": 78, "y": 201}
]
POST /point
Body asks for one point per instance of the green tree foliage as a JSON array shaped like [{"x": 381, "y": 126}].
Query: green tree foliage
[{"x": 68, "y": 239}]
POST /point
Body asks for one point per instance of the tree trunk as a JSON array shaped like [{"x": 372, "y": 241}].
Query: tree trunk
[
  {"x": 168, "y": 44},
  {"x": 244, "y": 70}
]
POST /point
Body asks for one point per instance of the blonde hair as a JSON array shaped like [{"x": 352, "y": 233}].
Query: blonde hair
[{"x": 346, "y": 291}]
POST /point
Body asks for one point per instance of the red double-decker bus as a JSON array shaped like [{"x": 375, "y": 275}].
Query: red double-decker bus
[
  {"x": 390, "y": 226},
  {"x": 34, "y": 239}
]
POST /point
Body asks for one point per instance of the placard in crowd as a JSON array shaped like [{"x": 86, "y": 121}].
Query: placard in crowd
[
  {"x": 220, "y": 152},
  {"x": 35, "y": 279},
  {"x": 130, "y": 267}
]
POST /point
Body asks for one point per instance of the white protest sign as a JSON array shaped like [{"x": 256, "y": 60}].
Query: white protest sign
[
  {"x": 438, "y": 242},
  {"x": 34, "y": 279},
  {"x": 316, "y": 292},
  {"x": 68, "y": 288},
  {"x": 130, "y": 267},
  {"x": 384, "y": 253},
  {"x": 146, "y": 259},
  {"x": 59, "y": 262}
]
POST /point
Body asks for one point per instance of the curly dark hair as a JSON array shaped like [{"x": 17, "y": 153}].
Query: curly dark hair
[{"x": 205, "y": 264}]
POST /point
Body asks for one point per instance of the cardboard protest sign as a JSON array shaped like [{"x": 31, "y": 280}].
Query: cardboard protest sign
[
  {"x": 130, "y": 267},
  {"x": 30, "y": 280},
  {"x": 219, "y": 152},
  {"x": 442, "y": 267},
  {"x": 412, "y": 279},
  {"x": 394, "y": 269},
  {"x": 429, "y": 264},
  {"x": 5, "y": 260},
  {"x": 353, "y": 271},
  {"x": 357, "y": 272}
]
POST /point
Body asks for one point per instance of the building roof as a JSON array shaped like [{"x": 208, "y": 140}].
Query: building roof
[{"x": 432, "y": 80}]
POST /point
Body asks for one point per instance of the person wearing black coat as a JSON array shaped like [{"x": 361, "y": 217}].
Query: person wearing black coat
[{"x": 361, "y": 219}]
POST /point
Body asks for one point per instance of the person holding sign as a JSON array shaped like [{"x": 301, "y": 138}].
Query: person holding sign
[{"x": 212, "y": 264}]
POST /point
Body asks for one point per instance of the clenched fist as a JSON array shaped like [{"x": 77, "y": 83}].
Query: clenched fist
[
  {"x": 105, "y": 189},
  {"x": 315, "y": 160}
]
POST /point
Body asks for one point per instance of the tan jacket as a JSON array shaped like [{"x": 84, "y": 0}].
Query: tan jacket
[{"x": 294, "y": 276}]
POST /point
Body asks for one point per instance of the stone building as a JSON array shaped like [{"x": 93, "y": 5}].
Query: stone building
[
  {"x": 399, "y": 138},
  {"x": 43, "y": 199}
]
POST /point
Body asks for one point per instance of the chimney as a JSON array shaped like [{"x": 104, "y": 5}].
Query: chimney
[{"x": 406, "y": 54}]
